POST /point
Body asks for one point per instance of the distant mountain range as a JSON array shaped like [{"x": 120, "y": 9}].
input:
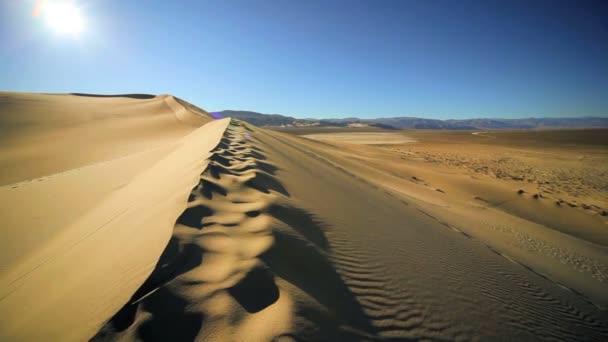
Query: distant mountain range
[{"x": 260, "y": 119}]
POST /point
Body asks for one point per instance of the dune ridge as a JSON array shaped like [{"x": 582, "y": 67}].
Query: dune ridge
[
  {"x": 228, "y": 272},
  {"x": 211, "y": 269},
  {"x": 232, "y": 232},
  {"x": 65, "y": 284},
  {"x": 46, "y": 134},
  {"x": 350, "y": 260}
]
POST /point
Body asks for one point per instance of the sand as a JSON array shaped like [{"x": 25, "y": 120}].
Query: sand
[
  {"x": 78, "y": 243},
  {"x": 233, "y": 232},
  {"x": 363, "y": 138},
  {"x": 37, "y": 130}
]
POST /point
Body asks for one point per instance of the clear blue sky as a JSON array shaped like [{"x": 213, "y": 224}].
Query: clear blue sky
[{"x": 435, "y": 59}]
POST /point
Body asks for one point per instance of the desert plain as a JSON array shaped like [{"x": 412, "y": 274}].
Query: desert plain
[{"x": 143, "y": 218}]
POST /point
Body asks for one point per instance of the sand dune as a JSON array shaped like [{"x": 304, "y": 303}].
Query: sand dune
[
  {"x": 351, "y": 259},
  {"x": 211, "y": 272},
  {"x": 472, "y": 188},
  {"x": 38, "y": 129},
  {"x": 232, "y": 232},
  {"x": 77, "y": 244}
]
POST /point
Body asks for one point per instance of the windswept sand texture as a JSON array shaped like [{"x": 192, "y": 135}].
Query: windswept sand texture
[
  {"x": 77, "y": 244},
  {"x": 286, "y": 238},
  {"x": 351, "y": 259},
  {"x": 47, "y": 134}
]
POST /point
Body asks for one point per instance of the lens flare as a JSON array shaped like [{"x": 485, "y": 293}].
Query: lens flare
[
  {"x": 63, "y": 17},
  {"x": 38, "y": 8}
]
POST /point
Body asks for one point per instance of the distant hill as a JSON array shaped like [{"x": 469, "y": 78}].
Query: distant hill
[
  {"x": 420, "y": 123},
  {"x": 260, "y": 119}
]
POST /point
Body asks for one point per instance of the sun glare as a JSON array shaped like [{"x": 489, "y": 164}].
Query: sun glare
[{"x": 63, "y": 17}]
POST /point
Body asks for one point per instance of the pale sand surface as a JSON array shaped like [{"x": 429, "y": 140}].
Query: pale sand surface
[
  {"x": 556, "y": 225},
  {"x": 288, "y": 238},
  {"x": 37, "y": 130},
  {"x": 363, "y": 138},
  {"x": 77, "y": 244}
]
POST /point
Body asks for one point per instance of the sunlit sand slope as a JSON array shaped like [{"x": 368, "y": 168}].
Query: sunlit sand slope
[
  {"x": 46, "y": 134},
  {"x": 76, "y": 244}
]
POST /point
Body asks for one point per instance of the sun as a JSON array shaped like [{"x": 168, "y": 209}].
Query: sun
[{"x": 63, "y": 17}]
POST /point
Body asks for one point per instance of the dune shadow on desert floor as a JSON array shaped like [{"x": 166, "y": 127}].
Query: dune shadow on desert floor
[{"x": 132, "y": 96}]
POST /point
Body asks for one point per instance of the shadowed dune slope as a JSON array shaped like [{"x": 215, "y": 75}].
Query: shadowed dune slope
[
  {"x": 132, "y": 96},
  {"x": 412, "y": 275}
]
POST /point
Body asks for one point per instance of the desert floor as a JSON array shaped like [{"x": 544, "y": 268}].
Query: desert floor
[{"x": 200, "y": 229}]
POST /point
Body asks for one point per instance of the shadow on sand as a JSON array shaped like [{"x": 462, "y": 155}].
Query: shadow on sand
[
  {"x": 131, "y": 96},
  {"x": 298, "y": 256}
]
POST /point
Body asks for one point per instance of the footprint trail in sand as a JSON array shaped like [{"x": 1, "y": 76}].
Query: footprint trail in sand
[{"x": 210, "y": 273}]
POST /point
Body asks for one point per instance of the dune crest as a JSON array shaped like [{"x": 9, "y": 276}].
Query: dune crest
[
  {"x": 48, "y": 134},
  {"x": 348, "y": 259},
  {"x": 73, "y": 269},
  {"x": 227, "y": 231},
  {"x": 212, "y": 263}
]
